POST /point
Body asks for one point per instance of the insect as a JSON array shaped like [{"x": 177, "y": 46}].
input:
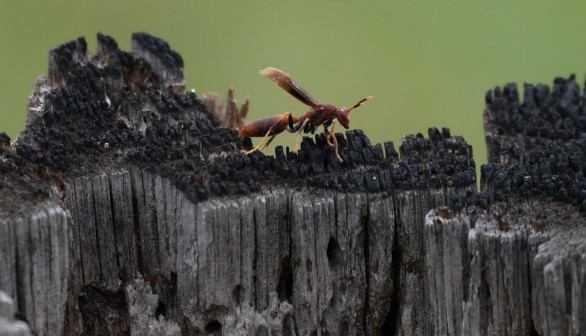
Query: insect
[{"x": 319, "y": 114}]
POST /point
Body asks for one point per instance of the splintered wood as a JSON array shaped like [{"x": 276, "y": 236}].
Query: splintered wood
[{"x": 229, "y": 114}]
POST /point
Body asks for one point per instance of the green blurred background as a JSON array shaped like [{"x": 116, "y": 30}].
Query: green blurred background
[{"x": 428, "y": 63}]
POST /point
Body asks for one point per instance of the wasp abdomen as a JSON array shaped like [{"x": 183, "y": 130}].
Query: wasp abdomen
[{"x": 260, "y": 127}]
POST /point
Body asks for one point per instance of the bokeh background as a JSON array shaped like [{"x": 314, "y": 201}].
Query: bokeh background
[{"x": 428, "y": 63}]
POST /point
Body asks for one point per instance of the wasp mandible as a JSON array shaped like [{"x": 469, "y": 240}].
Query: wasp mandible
[{"x": 319, "y": 114}]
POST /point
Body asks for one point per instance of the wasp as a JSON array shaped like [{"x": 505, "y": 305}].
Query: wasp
[{"x": 318, "y": 114}]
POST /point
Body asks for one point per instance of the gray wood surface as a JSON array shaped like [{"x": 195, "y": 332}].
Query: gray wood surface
[
  {"x": 35, "y": 265},
  {"x": 8, "y": 324}
]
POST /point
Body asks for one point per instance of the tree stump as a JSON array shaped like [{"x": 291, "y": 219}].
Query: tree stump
[{"x": 127, "y": 208}]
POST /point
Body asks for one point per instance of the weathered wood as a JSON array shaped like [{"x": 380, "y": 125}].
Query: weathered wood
[
  {"x": 532, "y": 279},
  {"x": 519, "y": 269},
  {"x": 129, "y": 209},
  {"x": 35, "y": 264},
  {"x": 8, "y": 325},
  {"x": 226, "y": 254}
]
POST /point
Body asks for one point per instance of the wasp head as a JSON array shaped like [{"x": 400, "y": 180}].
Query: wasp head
[{"x": 343, "y": 117}]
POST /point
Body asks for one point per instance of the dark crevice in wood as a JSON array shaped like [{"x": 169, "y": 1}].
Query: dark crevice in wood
[
  {"x": 262, "y": 331},
  {"x": 161, "y": 311},
  {"x": 466, "y": 272},
  {"x": 255, "y": 221},
  {"x": 238, "y": 294},
  {"x": 485, "y": 295},
  {"x": 287, "y": 288},
  {"x": 391, "y": 322},
  {"x": 153, "y": 239},
  {"x": 136, "y": 225},
  {"x": 19, "y": 279},
  {"x": 285, "y": 284},
  {"x": 289, "y": 326},
  {"x": 97, "y": 237},
  {"x": 104, "y": 312},
  {"x": 120, "y": 266},
  {"x": 239, "y": 291},
  {"x": 333, "y": 252},
  {"x": 27, "y": 277},
  {"x": 311, "y": 263},
  {"x": 365, "y": 223},
  {"x": 532, "y": 331}
]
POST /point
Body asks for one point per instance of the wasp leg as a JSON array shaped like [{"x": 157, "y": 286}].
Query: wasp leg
[
  {"x": 332, "y": 141},
  {"x": 264, "y": 143},
  {"x": 298, "y": 141},
  {"x": 268, "y": 142},
  {"x": 329, "y": 133}
]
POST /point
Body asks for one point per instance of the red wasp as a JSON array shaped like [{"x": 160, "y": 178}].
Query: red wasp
[{"x": 319, "y": 114}]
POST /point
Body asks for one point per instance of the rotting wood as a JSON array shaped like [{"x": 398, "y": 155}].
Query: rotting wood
[{"x": 126, "y": 203}]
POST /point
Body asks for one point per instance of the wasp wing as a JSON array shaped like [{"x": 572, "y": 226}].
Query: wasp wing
[{"x": 285, "y": 82}]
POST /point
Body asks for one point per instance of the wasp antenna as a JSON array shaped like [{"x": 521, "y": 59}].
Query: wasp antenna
[{"x": 360, "y": 103}]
